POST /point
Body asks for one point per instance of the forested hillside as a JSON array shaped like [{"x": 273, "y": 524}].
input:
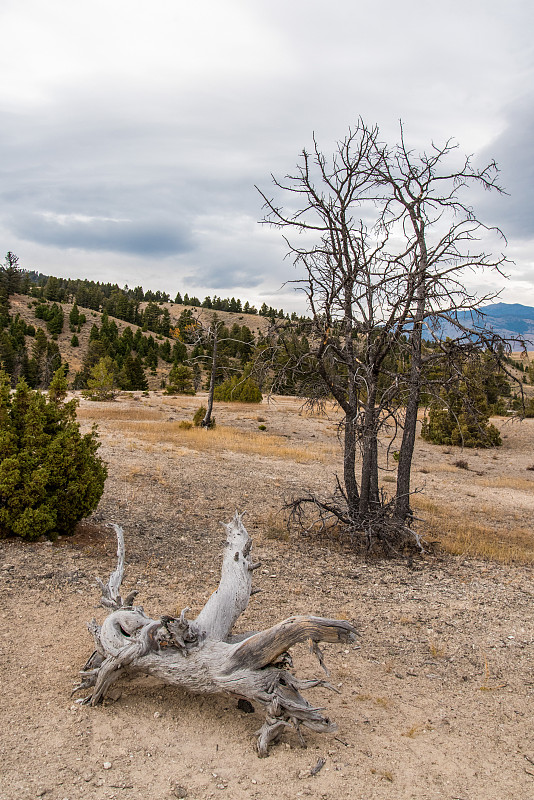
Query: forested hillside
[
  {"x": 144, "y": 340},
  {"x": 39, "y": 336}
]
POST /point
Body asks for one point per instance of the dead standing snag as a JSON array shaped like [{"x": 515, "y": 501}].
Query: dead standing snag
[{"x": 203, "y": 656}]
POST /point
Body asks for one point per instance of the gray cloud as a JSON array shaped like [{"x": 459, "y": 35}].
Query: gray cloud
[
  {"x": 512, "y": 150},
  {"x": 134, "y": 139},
  {"x": 139, "y": 237}
]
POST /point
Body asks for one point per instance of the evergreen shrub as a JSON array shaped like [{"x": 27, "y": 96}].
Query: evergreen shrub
[
  {"x": 463, "y": 430},
  {"x": 239, "y": 389},
  {"x": 199, "y": 416},
  {"x": 50, "y": 475}
]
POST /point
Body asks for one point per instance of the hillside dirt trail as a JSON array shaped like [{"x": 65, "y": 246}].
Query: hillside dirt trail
[{"x": 435, "y": 697}]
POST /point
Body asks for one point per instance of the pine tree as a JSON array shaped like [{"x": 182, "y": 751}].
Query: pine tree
[
  {"x": 10, "y": 274},
  {"x": 102, "y": 382},
  {"x": 180, "y": 380},
  {"x": 74, "y": 316},
  {"x": 132, "y": 376}
]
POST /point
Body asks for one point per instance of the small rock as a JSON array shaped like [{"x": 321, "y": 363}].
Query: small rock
[
  {"x": 157, "y": 715},
  {"x": 107, "y": 764},
  {"x": 179, "y": 791},
  {"x": 88, "y": 776}
]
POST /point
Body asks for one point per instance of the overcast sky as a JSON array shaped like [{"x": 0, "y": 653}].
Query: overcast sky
[{"x": 132, "y": 133}]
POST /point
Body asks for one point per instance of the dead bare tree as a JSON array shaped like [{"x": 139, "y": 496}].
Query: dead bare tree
[
  {"x": 425, "y": 199},
  {"x": 210, "y": 334},
  {"x": 203, "y": 656},
  {"x": 385, "y": 238}
]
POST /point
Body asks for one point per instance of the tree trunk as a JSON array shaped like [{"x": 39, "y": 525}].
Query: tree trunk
[
  {"x": 349, "y": 465},
  {"x": 202, "y": 655},
  {"x": 402, "y": 502},
  {"x": 369, "y": 482},
  {"x": 206, "y": 422}
]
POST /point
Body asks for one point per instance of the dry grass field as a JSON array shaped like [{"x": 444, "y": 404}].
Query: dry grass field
[{"x": 435, "y": 696}]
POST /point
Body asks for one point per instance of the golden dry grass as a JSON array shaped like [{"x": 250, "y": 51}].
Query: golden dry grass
[
  {"x": 192, "y": 402},
  {"x": 148, "y": 429},
  {"x": 105, "y": 413},
  {"x": 224, "y": 437},
  {"x": 383, "y": 702},
  {"x": 504, "y": 482},
  {"x": 442, "y": 468},
  {"x": 274, "y": 526},
  {"x": 436, "y": 650},
  {"x": 461, "y": 536},
  {"x": 416, "y": 730}
]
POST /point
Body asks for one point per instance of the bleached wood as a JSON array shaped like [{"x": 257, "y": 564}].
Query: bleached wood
[
  {"x": 231, "y": 598},
  {"x": 201, "y": 655},
  {"x": 110, "y": 591}
]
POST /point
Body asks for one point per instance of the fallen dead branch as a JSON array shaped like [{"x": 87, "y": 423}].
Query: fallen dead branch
[{"x": 203, "y": 656}]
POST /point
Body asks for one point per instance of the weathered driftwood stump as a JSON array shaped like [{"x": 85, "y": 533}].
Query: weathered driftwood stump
[{"x": 203, "y": 656}]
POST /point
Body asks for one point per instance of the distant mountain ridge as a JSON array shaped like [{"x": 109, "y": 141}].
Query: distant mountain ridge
[{"x": 506, "y": 319}]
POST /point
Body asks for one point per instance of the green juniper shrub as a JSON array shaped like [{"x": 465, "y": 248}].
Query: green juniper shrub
[
  {"x": 462, "y": 430},
  {"x": 199, "y": 416},
  {"x": 460, "y": 414},
  {"x": 50, "y": 474},
  {"x": 239, "y": 389}
]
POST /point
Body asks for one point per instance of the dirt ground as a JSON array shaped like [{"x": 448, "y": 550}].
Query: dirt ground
[{"x": 435, "y": 698}]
